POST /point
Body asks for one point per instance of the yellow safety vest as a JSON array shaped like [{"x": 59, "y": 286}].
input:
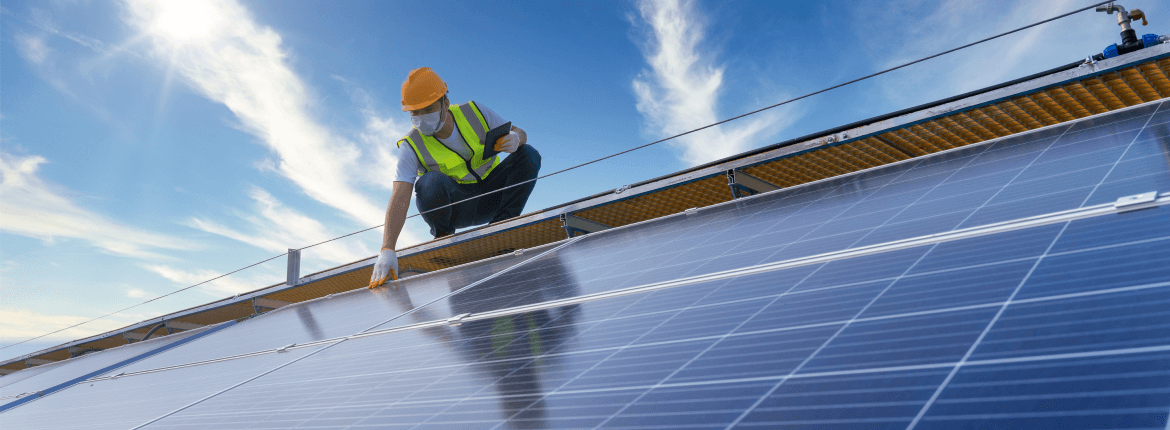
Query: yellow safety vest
[{"x": 465, "y": 164}]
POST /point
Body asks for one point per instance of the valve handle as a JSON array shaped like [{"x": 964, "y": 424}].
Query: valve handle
[{"x": 1138, "y": 14}]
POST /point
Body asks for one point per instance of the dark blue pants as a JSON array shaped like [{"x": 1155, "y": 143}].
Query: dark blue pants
[{"x": 434, "y": 189}]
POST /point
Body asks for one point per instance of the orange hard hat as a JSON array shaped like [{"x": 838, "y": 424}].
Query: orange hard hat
[{"x": 422, "y": 87}]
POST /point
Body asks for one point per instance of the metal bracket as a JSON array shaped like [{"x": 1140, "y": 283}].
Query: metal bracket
[
  {"x": 294, "y": 267},
  {"x": 621, "y": 190},
  {"x": 30, "y": 362},
  {"x": 743, "y": 184},
  {"x": 575, "y": 224},
  {"x": 179, "y": 325},
  {"x": 1136, "y": 202},
  {"x": 285, "y": 348},
  {"x": 132, "y": 337},
  {"x": 259, "y": 304},
  {"x": 76, "y": 351},
  {"x": 456, "y": 320},
  {"x": 691, "y": 211}
]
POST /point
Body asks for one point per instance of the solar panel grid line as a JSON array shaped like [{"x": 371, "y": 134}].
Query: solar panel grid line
[
  {"x": 1127, "y": 148},
  {"x": 718, "y": 339},
  {"x": 570, "y": 381},
  {"x": 147, "y": 423},
  {"x": 796, "y": 370},
  {"x": 1017, "y": 175},
  {"x": 990, "y": 324},
  {"x": 973, "y": 347},
  {"x": 808, "y": 375}
]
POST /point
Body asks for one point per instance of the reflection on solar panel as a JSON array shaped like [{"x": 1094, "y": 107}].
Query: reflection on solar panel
[{"x": 992, "y": 286}]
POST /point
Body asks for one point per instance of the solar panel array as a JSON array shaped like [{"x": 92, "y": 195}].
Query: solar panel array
[{"x": 1046, "y": 319}]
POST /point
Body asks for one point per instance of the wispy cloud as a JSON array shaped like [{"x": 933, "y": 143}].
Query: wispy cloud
[
  {"x": 276, "y": 227},
  {"x": 894, "y": 33},
  {"x": 226, "y": 286},
  {"x": 20, "y": 324},
  {"x": 30, "y": 206},
  {"x": 222, "y": 52},
  {"x": 681, "y": 89},
  {"x": 32, "y": 48}
]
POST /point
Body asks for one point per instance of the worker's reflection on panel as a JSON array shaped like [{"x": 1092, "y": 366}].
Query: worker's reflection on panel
[
  {"x": 511, "y": 349},
  {"x": 310, "y": 323},
  {"x": 399, "y": 302}
]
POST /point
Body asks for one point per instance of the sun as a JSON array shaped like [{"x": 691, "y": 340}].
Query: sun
[{"x": 185, "y": 20}]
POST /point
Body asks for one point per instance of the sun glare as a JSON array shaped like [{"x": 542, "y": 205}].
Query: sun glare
[{"x": 184, "y": 20}]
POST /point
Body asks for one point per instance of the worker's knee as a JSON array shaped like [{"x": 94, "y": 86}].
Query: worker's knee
[{"x": 527, "y": 158}]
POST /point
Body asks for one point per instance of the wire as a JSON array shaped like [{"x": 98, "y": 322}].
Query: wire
[{"x": 615, "y": 155}]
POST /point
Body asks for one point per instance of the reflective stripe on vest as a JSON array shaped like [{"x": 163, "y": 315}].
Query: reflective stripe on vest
[{"x": 465, "y": 165}]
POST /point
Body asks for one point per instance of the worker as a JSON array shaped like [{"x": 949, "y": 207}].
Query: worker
[{"x": 441, "y": 159}]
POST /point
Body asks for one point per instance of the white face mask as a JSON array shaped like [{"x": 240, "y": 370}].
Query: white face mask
[{"x": 428, "y": 124}]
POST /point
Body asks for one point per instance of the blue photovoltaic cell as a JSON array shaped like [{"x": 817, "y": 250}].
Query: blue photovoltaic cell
[
  {"x": 332, "y": 317},
  {"x": 129, "y": 401},
  {"x": 92, "y": 364},
  {"x": 770, "y": 351},
  {"x": 1046, "y": 171}
]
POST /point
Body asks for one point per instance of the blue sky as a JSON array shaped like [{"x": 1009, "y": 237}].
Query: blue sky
[{"x": 147, "y": 146}]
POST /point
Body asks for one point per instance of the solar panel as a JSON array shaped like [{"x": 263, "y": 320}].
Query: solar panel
[
  {"x": 62, "y": 374},
  {"x": 769, "y": 350},
  {"x": 992, "y": 329}
]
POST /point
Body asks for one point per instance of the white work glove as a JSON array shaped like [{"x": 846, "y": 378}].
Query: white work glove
[
  {"x": 509, "y": 143},
  {"x": 386, "y": 267}
]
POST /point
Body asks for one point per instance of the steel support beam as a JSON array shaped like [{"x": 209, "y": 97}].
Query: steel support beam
[
  {"x": 30, "y": 362},
  {"x": 179, "y": 325},
  {"x": 261, "y": 304},
  {"x": 294, "y": 267},
  {"x": 575, "y": 224},
  {"x": 743, "y": 184}
]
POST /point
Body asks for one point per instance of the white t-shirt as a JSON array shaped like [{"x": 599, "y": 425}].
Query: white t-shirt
[{"x": 409, "y": 168}]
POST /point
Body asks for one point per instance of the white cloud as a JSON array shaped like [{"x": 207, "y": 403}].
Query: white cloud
[
  {"x": 31, "y": 207},
  {"x": 903, "y": 31},
  {"x": 20, "y": 324},
  {"x": 32, "y": 48},
  {"x": 681, "y": 89},
  {"x": 226, "y": 286},
  {"x": 137, "y": 293},
  {"x": 218, "y": 48},
  {"x": 278, "y": 228}
]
